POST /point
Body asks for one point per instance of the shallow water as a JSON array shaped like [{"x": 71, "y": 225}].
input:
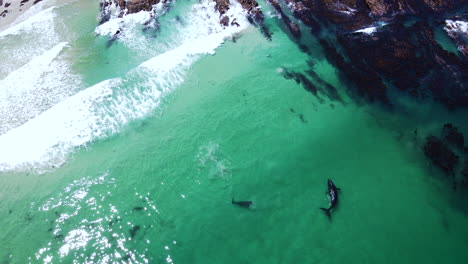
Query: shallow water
[{"x": 158, "y": 186}]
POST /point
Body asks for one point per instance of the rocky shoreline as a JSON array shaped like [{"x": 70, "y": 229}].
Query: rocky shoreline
[
  {"x": 372, "y": 42},
  {"x": 377, "y": 46}
]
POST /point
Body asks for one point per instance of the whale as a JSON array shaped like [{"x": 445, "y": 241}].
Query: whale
[
  {"x": 333, "y": 196},
  {"x": 245, "y": 204}
]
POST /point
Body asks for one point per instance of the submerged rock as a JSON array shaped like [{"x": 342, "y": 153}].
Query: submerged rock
[
  {"x": 464, "y": 173},
  {"x": 449, "y": 154},
  {"x": 441, "y": 155},
  {"x": 292, "y": 27},
  {"x": 406, "y": 57},
  {"x": 452, "y": 136}
]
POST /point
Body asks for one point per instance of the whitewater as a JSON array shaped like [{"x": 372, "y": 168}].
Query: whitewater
[{"x": 48, "y": 135}]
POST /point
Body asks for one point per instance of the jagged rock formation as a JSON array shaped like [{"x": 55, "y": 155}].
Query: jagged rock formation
[
  {"x": 131, "y": 6},
  {"x": 457, "y": 29},
  {"x": 353, "y": 14},
  {"x": 376, "y": 49},
  {"x": 251, "y": 6},
  {"x": 408, "y": 58}
]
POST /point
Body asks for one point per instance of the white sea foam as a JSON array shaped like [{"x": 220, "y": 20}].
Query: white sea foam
[
  {"x": 104, "y": 108},
  {"x": 32, "y": 37},
  {"x": 46, "y": 137},
  {"x": 129, "y": 21},
  {"x": 456, "y": 26},
  {"x": 371, "y": 30},
  {"x": 33, "y": 22},
  {"x": 368, "y": 31},
  {"x": 33, "y": 88}
]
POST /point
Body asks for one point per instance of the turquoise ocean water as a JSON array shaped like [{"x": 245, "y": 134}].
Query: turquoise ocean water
[{"x": 132, "y": 152}]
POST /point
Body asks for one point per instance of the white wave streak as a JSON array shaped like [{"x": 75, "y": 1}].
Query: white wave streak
[
  {"x": 103, "y": 109},
  {"x": 29, "y": 38},
  {"x": 33, "y": 88}
]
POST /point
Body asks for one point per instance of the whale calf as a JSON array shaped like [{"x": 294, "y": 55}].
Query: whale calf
[{"x": 333, "y": 195}]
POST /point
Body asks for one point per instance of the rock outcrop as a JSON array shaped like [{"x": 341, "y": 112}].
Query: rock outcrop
[
  {"x": 353, "y": 14},
  {"x": 251, "y": 6},
  {"x": 457, "y": 29},
  {"x": 408, "y": 58},
  {"x": 377, "y": 45},
  {"x": 292, "y": 27},
  {"x": 131, "y": 6}
]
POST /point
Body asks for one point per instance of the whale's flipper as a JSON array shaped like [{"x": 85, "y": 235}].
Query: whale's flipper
[{"x": 327, "y": 211}]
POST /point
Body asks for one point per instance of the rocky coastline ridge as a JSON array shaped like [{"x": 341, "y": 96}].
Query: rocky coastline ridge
[{"x": 378, "y": 46}]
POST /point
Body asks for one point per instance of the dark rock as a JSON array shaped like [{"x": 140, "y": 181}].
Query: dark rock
[
  {"x": 374, "y": 62},
  {"x": 255, "y": 13},
  {"x": 454, "y": 28},
  {"x": 222, "y": 6},
  {"x": 135, "y": 6},
  {"x": 7, "y": 4},
  {"x": 224, "y": 21},
  {"x": 355, "y": 14},
  {"x": 4, "y": 13},
  {"x": 1, "y": 2},
  {"x": 368, "y": 82},
  {"x": 292, "y": 27},
  {"x": 234, "y": 22},
  {"x": 328, "y": 89},
  {"x": 441, "y": 155},
  {"x": 130, "y": 6},
  {"x": 464, "y": 173},
  {"x": 23, "y": 2},
  {"x": 253, "y": 10},
  {"x": 452, "y": 136},
  {"x": 302, "y": 79},
  {"x": 385, "y": 58},
  {"x": 36, "y": 1}
]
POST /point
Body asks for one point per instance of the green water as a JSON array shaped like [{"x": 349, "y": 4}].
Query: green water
[{"x": 160, "y": 190}]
